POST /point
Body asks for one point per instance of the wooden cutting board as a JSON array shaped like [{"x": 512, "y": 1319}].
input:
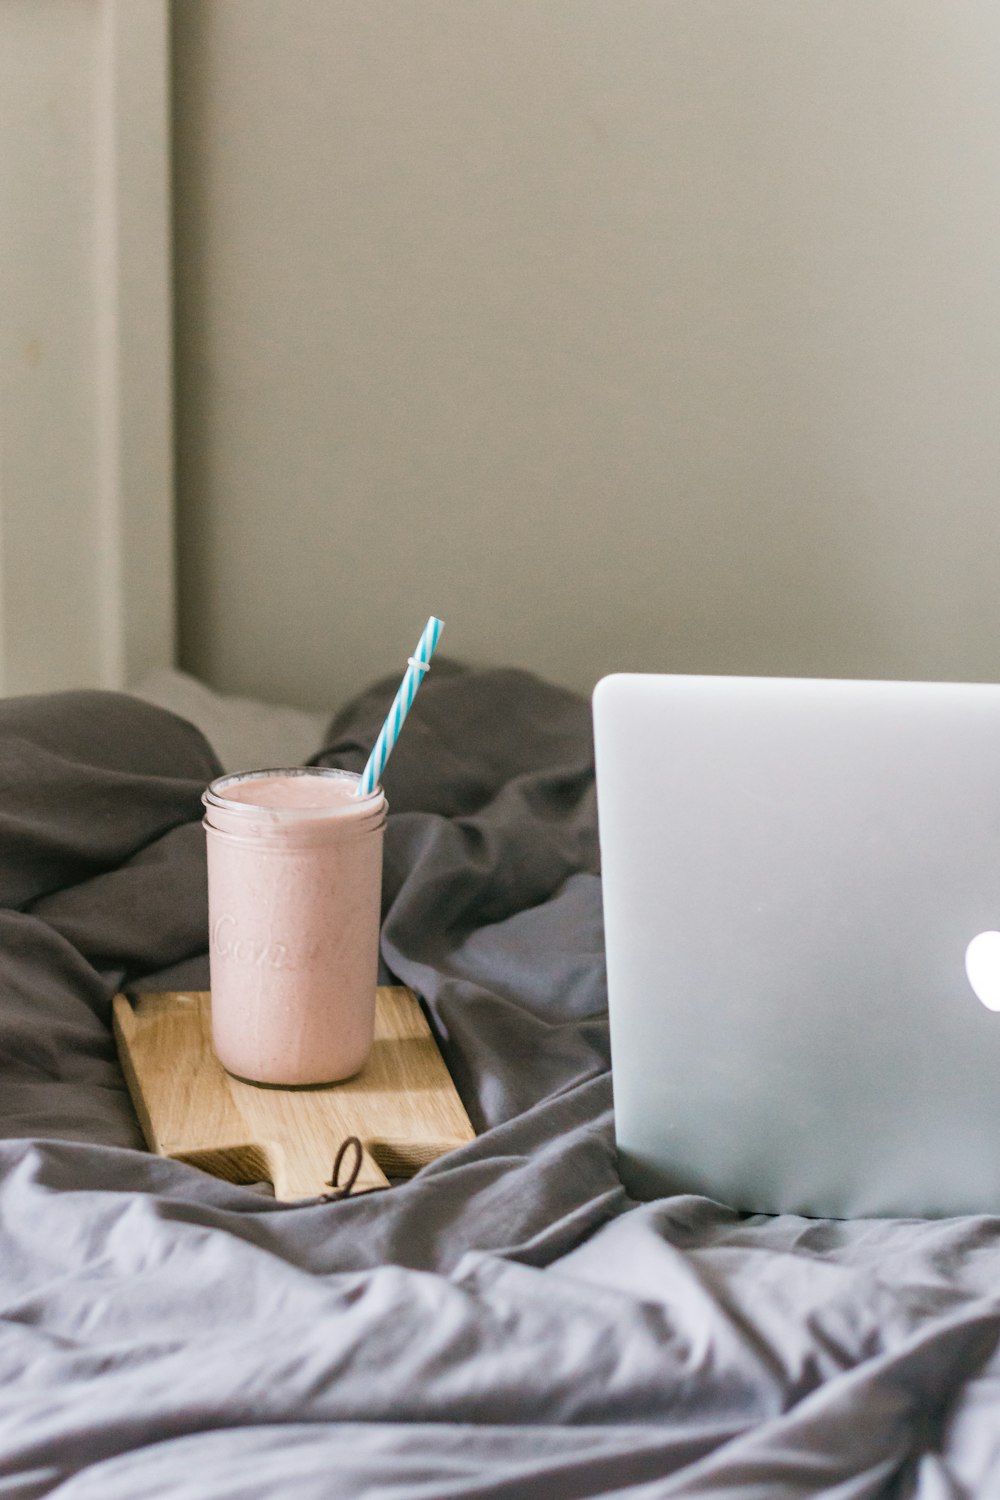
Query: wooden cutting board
[{"x": 402, "y": 1106}]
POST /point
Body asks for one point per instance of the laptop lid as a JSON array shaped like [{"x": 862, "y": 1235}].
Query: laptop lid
[{"x": 793, "y": 871}]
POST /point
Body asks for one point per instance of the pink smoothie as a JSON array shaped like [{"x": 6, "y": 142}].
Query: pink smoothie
[
  {"x": 307, "y": 790},
  {"x": 294, "y": 871}
]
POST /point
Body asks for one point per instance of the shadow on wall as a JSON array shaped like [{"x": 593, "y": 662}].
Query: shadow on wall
[{"x": 646, "y": 337}]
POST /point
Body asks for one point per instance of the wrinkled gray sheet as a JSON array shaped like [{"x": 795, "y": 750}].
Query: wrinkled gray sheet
[{"x": 508, "y": 1324}]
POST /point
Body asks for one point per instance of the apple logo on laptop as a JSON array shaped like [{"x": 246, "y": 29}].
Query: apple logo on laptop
[{"x": 982, "y": 964}]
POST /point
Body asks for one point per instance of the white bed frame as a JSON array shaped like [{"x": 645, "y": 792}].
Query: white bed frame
[{"x": 87, "y": 586}]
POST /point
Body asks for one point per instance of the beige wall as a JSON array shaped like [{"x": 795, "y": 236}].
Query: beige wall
[
  {"x": 659, "y": 334},
  {"x": 86, "y": 461}
]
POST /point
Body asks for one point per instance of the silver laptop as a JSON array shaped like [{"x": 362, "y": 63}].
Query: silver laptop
[{"x": 802, "y": 921}]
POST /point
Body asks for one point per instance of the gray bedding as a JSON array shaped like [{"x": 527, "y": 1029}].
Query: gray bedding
[{"x": 509, "y": 1323}]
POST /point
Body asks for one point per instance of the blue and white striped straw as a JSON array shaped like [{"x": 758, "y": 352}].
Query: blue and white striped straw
[{"x": 419, "y": 663}]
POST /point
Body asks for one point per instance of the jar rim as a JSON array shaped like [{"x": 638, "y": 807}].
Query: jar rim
[{"x": 214, "y": 794}]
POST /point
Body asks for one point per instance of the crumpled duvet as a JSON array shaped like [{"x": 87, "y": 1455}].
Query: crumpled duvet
[{"x": 507, "y": 1324}]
